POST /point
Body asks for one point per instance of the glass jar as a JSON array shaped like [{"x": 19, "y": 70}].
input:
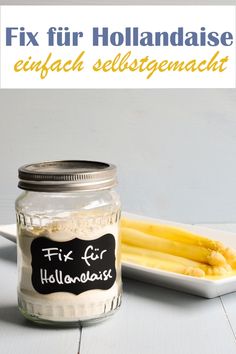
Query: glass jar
[{"x": 68, "y": 247}]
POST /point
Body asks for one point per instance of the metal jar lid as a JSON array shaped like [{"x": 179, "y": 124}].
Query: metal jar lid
[{"x": 67, "y": 175}]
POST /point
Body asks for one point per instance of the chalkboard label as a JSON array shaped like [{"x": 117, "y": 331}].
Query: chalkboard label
[{"x": 73, "y": 266}]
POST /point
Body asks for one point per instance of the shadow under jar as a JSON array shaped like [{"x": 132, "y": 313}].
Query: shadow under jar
[{"x": 68, "y": 246}]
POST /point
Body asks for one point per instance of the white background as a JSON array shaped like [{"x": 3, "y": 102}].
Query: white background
[
  {"x": 116, "y": 18},
  {"x": 175, "y": 149}
]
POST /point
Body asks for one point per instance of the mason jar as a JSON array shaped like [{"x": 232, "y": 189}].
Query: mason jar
[{"x": 68, "y": 246}]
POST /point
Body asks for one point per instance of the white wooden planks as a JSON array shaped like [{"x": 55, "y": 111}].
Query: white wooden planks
[{"x": 156, "y": 320}]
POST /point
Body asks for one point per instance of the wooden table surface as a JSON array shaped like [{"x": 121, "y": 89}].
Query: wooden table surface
[{"x": 152, "y": 320}]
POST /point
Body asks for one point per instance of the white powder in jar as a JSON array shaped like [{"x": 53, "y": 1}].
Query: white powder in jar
[{"x": 66, "y": 306}]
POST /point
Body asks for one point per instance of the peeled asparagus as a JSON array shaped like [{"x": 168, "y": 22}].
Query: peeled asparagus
[
  {"x": 163, "y": 265},
  {"x": 173, "y": 233},
  {"x": 194, "y": 252},
  {"x": 146, "y": 257}
]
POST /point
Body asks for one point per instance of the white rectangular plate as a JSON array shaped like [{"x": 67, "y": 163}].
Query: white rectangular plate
[{"x": 192, "y": 285}]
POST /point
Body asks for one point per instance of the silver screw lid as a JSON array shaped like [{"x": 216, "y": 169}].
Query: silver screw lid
[{"x": 67, "y": 175}]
